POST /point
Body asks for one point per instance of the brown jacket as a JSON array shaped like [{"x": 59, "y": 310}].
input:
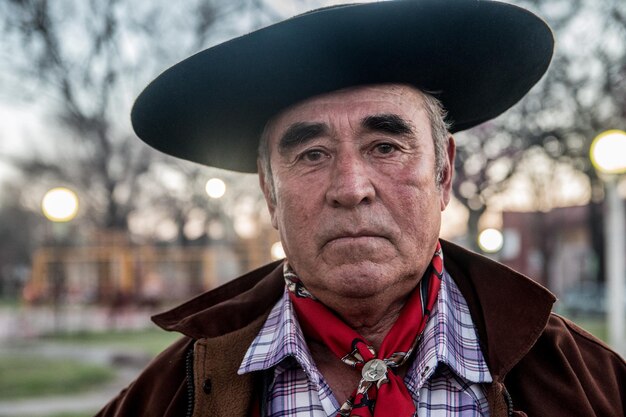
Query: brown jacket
[{"x": 542, "y": 364}]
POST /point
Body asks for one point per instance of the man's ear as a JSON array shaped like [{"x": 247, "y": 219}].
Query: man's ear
[
  {"x": 447, "y": 173},
  {"x": 267, "y": 187}
]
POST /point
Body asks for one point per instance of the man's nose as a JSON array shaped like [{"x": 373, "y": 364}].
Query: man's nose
[{"x": 350, "y": 182}]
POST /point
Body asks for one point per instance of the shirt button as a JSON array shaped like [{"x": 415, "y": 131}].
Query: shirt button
[{"x": 207, "y": 386}]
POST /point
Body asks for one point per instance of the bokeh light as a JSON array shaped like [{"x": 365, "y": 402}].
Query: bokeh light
[
  {"x": 215, "y": 188},
  {"x": 277, "y": 251},
  {"x": 608, "y": 152},
  {"x": 245, "y": 227},
  {"x": 490, "y": 240},
  {"x": 60, "y": 204}
]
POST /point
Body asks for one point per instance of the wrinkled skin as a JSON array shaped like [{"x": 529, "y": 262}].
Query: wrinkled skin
[{"x": 357, "y": 206}]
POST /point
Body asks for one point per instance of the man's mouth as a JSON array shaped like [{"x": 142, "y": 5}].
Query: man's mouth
[{"x": 353, "y": 236}]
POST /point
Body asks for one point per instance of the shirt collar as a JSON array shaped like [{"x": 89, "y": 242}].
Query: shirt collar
[
  {"x": 449, "y": 338},
  {"x": 279, "y": 342}
]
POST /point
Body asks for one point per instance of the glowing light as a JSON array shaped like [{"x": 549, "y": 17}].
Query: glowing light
[
  {"x": 245, "y": 227},
  {"x": 277, "y": 251},
  {"x": 215, "y": 230},
  {"x": 608, "y": 152},
  {"x": 60, "y": 204},
  {"x": 215, "y": 188},
  {"x": 490, "y": 240}
]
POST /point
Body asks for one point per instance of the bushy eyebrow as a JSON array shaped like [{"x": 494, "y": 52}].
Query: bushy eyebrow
[
  {"x": 299, "y": 133},
  {"x": 387, "y": 123}
]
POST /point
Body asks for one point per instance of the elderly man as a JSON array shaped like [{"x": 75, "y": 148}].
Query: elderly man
[{"x": 370, "y": 314}]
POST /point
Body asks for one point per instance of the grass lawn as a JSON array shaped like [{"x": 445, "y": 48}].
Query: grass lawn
[
  {"x": 29, "y": 376},
  {"x": 25, "y": 375},
  {"x": 9, "y": 303},
  {"x": 151, "y": 341}
]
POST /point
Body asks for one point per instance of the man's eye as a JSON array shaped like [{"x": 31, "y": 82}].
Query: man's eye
[
  {"x": 385, "y": 148},
  {"x": 313, "y": 155}
]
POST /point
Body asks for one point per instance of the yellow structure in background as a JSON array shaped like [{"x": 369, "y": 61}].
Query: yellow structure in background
[{"x": 110, "y": 269}]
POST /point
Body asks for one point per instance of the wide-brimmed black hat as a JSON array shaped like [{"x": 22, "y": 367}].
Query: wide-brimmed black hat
[{"x": 478, "y": 57}]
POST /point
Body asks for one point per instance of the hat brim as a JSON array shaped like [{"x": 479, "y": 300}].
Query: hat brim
[{"x": 478, "y": 57}]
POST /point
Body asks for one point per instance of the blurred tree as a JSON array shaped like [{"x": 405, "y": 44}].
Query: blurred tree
[
  {"x": 77, "y": 67},
  {"x": 487, "y": 158},
  {"x": 17, "y": 226},
  {"x": 583, "y": 93},
  {"x": 87, "y": 60},
  {"x": 83, "y": 62}
]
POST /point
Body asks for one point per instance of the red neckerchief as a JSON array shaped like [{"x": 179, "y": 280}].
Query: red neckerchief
[{"x": 380, "y": 392}]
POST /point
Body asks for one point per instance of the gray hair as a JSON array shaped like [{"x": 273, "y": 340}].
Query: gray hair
[{"x": 438, "y": 126}]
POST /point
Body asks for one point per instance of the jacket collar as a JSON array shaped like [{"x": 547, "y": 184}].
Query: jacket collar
[
  {"x": 227, "y": 308},
  {"x": 508, "y": 309}
]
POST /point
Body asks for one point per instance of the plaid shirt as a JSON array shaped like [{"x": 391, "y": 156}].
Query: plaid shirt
[{"x": 444, "y": 378}]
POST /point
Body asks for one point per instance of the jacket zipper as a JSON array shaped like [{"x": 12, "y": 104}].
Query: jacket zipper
[{"x": 190, "y": 382}]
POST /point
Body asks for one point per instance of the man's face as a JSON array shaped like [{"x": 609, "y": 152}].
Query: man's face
[{"x": 357, "y": 205}]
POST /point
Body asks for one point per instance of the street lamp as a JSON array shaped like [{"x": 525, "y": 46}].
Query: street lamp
[
  {"x": 608, "y": 156},
  {"x": 59, "y": 205},
  {"x": 608, "y": 152}
]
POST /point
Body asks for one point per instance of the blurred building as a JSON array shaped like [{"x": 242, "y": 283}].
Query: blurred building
[
  {"x": 111, "y": 270},
  {"x": 555, "y": 249}
]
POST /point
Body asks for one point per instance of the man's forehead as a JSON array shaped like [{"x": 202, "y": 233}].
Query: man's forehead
[{"x": 362, "y": 101}]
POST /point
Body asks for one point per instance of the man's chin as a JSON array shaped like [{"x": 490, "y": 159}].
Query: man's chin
[
  {"x": 361, "y": 281},
  {"x": 359, "y": 253}
]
